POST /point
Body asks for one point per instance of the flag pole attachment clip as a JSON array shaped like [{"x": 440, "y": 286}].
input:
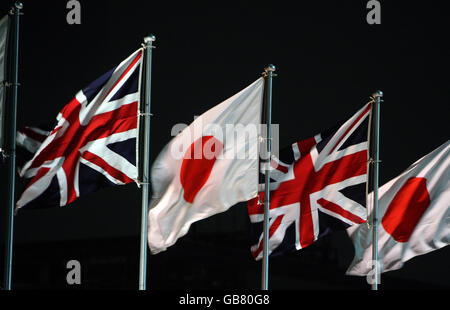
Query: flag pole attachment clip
[
  {"x": 8, "y": 84},
  {"x": 378, "y": 95},
  {"x": 144, "y": 114},
  {"x": 16, "y": 8},
  {"x": 148, "y": 42},
  {"x": 270, "y": 69}
]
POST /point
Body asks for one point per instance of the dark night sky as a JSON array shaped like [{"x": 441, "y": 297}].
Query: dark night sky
[{"x": 329, "y": 61}]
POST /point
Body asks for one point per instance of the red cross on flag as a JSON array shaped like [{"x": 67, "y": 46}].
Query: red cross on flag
[
  {"x": 319, "y": 186},
  {"x": 414, "y": 215},
  {"x": 208, "y": 167},
  {"x": 93, "y": 144}
]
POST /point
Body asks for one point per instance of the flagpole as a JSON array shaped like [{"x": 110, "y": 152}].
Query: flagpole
[
  {"x": 145, "y": 181},
  {"x": 375, "y": 161},
  {"x": 268, "y": 75},
  {"x": 12, "y": 145}
]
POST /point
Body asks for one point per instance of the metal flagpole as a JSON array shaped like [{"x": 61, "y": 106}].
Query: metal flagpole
[
  {"x": 268, "y": 74},
  {"x": 375, "y": 161},
  {"x": 12, "y": 145},
  {"x": 148, "y": 46}
]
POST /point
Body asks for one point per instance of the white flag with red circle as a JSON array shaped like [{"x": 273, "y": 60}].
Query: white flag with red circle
[
  {"x": 414, "y": 215},
  {"x": 208, "y": 167}
]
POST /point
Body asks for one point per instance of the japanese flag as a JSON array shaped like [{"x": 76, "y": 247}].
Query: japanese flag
[
  {"x": 208, "y": 167},
  {"x": 414, "y": 215}
]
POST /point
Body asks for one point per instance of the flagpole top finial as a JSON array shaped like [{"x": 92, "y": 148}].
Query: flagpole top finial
[
  {"x": 378, "y": 93},
  {"x": 148, "y": 39},
  {"x": 270, "y": 68}
]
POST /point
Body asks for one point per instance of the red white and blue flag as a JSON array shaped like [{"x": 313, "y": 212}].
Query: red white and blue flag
[
  {"x": 93, "y": 143},
  {"x": 318, "y": 185}
]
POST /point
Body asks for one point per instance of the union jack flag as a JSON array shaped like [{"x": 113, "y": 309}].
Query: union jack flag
[
  {"x": 318, "y": 185},
  {"x": 93, "y": 143}
]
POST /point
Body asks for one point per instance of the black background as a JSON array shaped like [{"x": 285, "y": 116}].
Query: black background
[{"x": 329, "y": 61}]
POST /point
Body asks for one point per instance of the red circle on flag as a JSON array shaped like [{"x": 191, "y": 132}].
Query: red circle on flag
[
  {"x": 197, "y": 165},
  {"x": 406, "y": 209}
]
